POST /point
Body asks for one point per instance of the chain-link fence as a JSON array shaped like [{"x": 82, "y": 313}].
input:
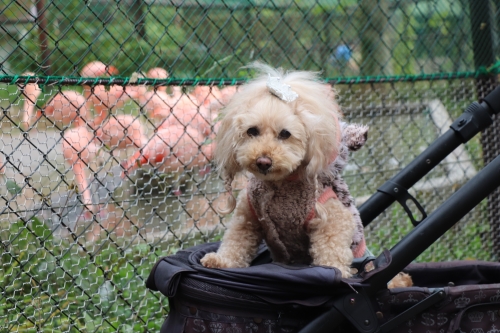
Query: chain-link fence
[
  {"x": 106, "y": 168},
  {"x": 214, "y": 38}
]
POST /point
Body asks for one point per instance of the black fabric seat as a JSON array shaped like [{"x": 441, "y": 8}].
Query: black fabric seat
[{"x": 283, "y": 296}]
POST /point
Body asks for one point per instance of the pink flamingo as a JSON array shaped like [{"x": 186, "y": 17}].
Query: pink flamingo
[
  {"x": 177, "y": 109},
  {"x": 31, "y": 92},
  {"x": 2, "y": 165},
  {"x": 78, "y": 143},
  {"x": 158, "y": 73},
  {"x": 172, "y": 149},
  {"x": 207, "y": 95},
  {"x": 116, "y": 131},
  {"x": 67, "y": 107},
  {"x": 97, "y": 68},
  {"x": 119, "y": 131},
  {"x": 79, "y": 149},
  {"x": 98, "y": 96},
  {"x": 228, "y": 92},
  {"x": 179, "y": 140},
  {"x": 185, "y": 113},
  {"x": 213, "y": 97},
  {"x": 157, "y": 103}
]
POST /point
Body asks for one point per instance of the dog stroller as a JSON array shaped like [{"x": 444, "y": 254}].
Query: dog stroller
[{"x": 447, "y": 297}]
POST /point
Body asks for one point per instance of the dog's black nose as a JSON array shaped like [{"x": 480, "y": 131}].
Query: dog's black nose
[{"x": 264, "y": 163}]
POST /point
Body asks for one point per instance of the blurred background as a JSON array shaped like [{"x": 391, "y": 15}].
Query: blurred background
[{"x": 108, "y": 110}]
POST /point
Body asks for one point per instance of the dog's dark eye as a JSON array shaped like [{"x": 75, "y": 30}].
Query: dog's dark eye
[
  {"x": 284, "y": 134},
  {"x": 253, "y": 131}
]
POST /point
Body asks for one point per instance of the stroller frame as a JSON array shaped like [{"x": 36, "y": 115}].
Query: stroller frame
[{"x": 355, "y": 306}]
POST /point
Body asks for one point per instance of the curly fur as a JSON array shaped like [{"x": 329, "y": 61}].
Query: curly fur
[
  {"x": 354, "y": 137},
  {"x": 312, "y": 122}
]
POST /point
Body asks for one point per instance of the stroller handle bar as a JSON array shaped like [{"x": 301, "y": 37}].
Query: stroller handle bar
[
  {"x": 437, "y": 223},
  {"x": 477, "y": 117}
]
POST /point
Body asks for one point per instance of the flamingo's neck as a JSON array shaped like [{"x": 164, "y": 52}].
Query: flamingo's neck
[{"x": 30, "y": 99}]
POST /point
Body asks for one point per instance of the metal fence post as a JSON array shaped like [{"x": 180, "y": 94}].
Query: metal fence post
[{"x": 482, "y": 27}]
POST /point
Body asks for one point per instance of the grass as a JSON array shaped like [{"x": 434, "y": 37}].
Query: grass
[
  {"x": 49, "y": 284},
  {"x": 54, "y": 284}
]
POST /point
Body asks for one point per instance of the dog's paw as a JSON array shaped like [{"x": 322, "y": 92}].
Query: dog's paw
[
  {"x": 345, "y": 269},
  {"x": 214, "y": 260},
  {"x": 335, "y": 257},
  {"x": 346, "y": 272}
]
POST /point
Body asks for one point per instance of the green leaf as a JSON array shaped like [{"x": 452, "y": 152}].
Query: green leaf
[
  {"x": 90, "y": 324},
  {"x": 127, "y": 328},
  {"x": 13, "y": 188},
  {"x": 40, "y": 228}
]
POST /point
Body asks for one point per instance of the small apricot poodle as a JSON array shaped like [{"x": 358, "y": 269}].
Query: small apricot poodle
[{"x": 283, "y": 130}]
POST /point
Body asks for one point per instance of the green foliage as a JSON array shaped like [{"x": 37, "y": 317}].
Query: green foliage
[
  {"x": 60, "y": 284},
  {"x": 12, "y": 187},
  {"x": 218, "y": 38},
  {"x": 478, "y": 245}
]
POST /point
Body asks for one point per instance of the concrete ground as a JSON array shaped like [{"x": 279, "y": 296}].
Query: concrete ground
[{"x": 38, "y": 182}]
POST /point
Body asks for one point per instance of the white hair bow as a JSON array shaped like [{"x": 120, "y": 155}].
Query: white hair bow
[{"x": 281, "y": 90}]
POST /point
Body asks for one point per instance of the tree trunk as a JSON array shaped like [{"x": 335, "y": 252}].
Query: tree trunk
[
  {"x": 374, "y": 30},
  {"x": 137, "y": 11}
]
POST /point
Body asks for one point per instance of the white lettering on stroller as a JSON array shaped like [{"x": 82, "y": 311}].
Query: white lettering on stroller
[
  {"x": 270, "y": 325},
  {"x": 480, "y": 296},
  {"x": 442, "y": 319},
  {"x": 462, "y": 301},
  {"x": 493, "y": 315},
  {"x": 495, "y": 298},
  {"x": 493, "y": 330},
  {"x": 251, "y": 327},
  {"x": 410, "y": 299},
  {"x": 476, "y": 316},
  {"x": 215, "y": 327},
  {"x": 393, "y": 300},
  {"x": 233, "y": 329},
  {"x": 200, "y": 327},
  {"x": 428, "y": 321}
]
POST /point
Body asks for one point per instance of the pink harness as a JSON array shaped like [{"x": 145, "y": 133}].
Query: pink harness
[{"x": 328, "y": 193}]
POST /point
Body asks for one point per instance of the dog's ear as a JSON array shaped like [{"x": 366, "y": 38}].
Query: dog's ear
[
  {"x": 225, "y": 156},
  {"x": 323, "y": 142},
  {"x": 225, "y": 150}
]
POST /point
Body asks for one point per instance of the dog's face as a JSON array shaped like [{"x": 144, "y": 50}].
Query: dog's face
[{"x": 273, "y": 139}]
